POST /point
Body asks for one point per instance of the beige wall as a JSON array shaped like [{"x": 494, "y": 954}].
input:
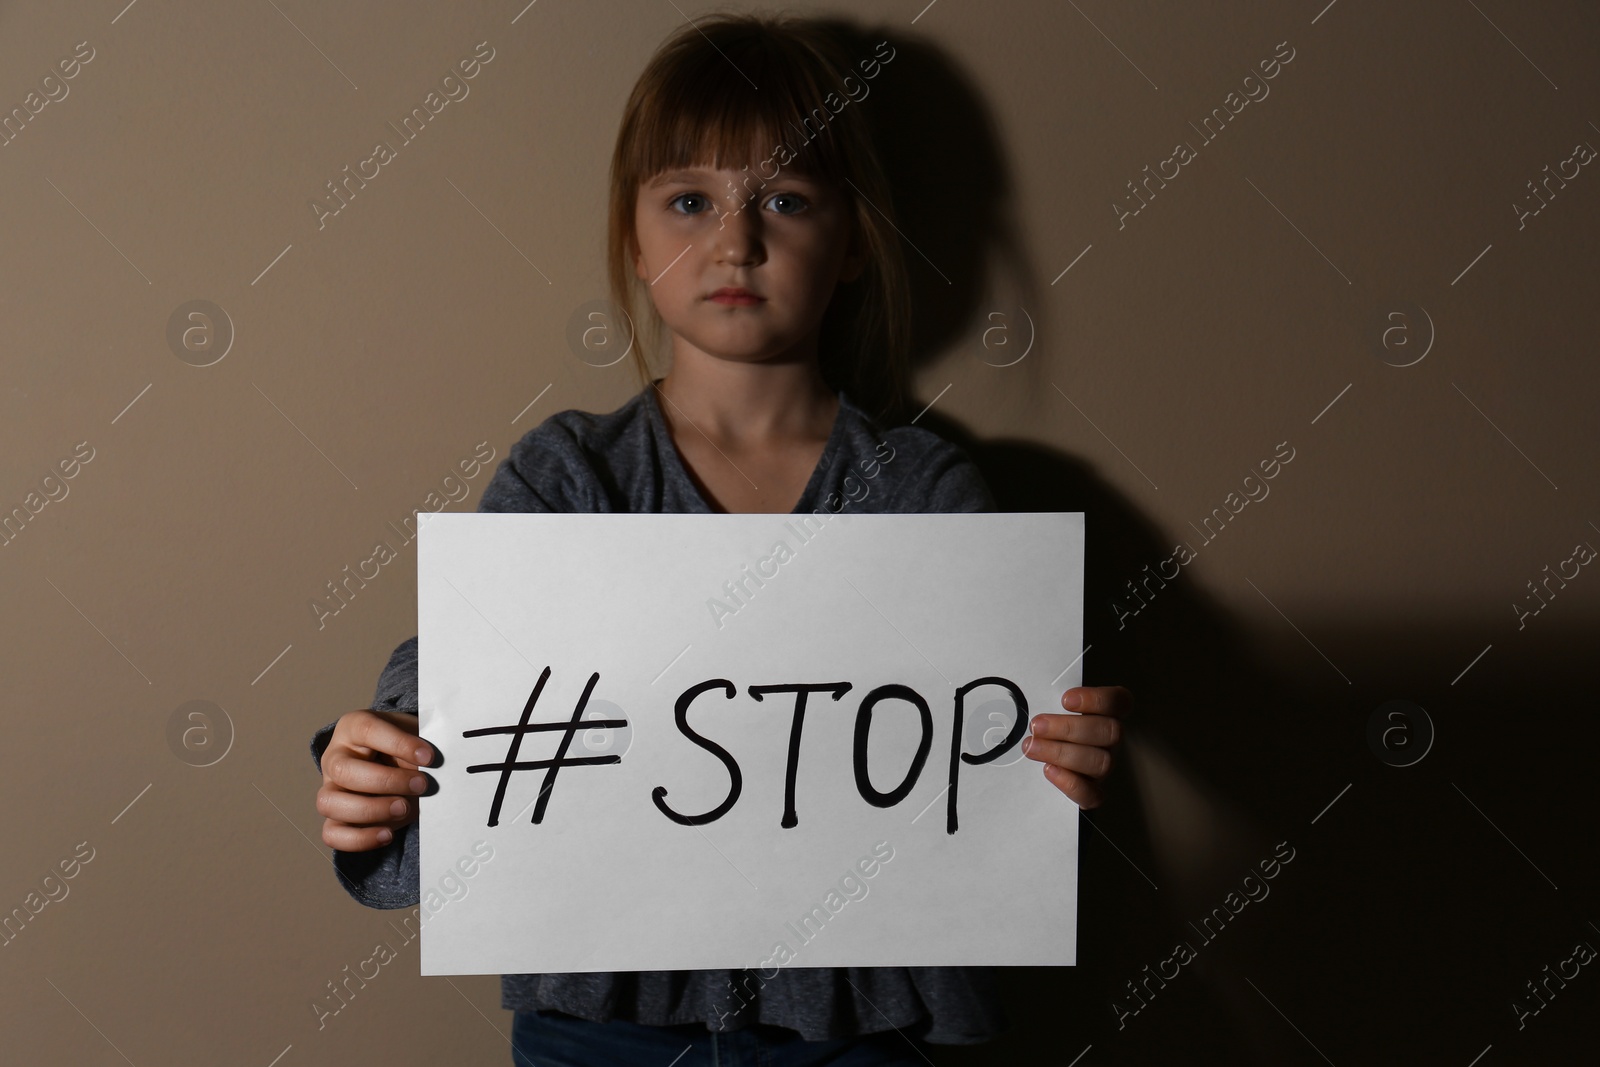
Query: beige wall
[{"x": 375, "y": 351}]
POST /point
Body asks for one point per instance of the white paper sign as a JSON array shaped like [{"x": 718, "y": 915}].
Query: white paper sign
[{"x": 701, "y": 821}]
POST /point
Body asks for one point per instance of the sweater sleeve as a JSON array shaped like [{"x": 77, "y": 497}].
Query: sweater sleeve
[
  {"x": 940, "y": 475},
  {"x": 962, "y": 487},
  {"x": 543, "y": 473}
]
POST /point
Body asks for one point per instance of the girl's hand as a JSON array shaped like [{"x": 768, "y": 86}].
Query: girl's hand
[
  {"x": 1076, "y": 749},
  {"x": 371, "y": 778}
]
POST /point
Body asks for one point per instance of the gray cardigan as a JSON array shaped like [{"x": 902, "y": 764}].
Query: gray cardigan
[{"x": 625, "y": 461}]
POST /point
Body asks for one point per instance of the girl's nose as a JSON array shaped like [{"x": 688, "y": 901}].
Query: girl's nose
[{"x": 738, "y": 237}]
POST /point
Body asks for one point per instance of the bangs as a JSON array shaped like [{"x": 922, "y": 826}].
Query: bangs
[{"x": 706, "y": 112}]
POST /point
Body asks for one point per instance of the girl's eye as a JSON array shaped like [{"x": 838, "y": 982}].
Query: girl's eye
[
  {"x": 796, "y": 203},
  {"x": 794, "y": 198},
  {"x": 686, "y": 196}
]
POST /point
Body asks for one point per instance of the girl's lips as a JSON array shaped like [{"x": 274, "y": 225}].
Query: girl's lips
[{"x": 740, "y": 299}]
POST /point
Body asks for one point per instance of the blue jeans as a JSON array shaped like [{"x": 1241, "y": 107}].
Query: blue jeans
[{"x": 555, "y": 1039}]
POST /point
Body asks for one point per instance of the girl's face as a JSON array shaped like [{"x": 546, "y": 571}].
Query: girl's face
[{"x": 789, "y": 242}]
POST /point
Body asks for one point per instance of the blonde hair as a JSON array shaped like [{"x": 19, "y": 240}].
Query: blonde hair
[{"x": 694, "y": 105}]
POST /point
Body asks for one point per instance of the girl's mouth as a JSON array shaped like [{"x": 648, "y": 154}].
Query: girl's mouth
[{"x": 738, "y": 297}]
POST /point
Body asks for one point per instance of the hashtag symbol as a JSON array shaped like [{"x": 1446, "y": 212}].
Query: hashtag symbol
[{"x": 551, "y": 766}]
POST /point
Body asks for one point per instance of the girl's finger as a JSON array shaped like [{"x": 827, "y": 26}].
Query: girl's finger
[
  {"x": 1080, "y": 790},
  {"x": 349, "y": 771},
  {"x": 1098, "y": 699},
  {"x": 392, "y": 733},
  {"x": 1086, "y": 760},
  {"x": 359, "y": 809},
  {"x": 347, "y": 838},
  {"x": 1083, "y": 729}
]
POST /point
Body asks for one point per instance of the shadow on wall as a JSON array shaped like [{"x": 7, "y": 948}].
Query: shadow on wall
[
  {"x": 1334, "y": 903},
  {"x": 1404, "y": 923},
  {"x": 1213, "y": 757}
]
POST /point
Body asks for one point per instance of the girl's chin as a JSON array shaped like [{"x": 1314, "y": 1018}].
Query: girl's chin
[{"x": 740, "y": 355}]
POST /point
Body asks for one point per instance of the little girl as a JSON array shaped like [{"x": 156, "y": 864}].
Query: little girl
[{"x": 748, "y": 202}]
